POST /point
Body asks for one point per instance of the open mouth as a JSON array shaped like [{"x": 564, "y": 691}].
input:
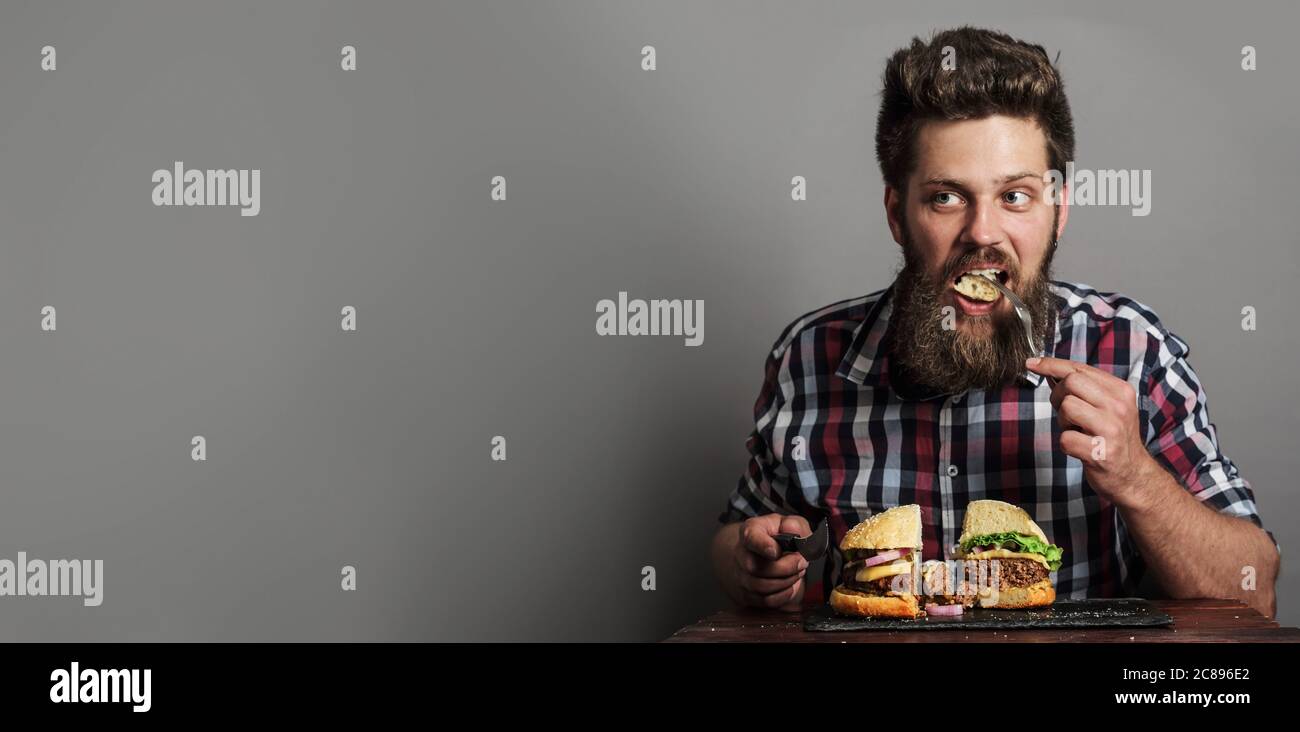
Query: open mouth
[{"x": 974, "y": 283}]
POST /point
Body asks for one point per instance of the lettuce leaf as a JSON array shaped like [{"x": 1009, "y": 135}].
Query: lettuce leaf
[{"x": 1026, "y": 543}]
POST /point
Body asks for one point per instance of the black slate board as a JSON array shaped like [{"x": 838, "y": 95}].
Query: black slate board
[{"x": 1089, "y": 613}]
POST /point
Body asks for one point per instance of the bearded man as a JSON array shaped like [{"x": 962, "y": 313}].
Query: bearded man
[{"x": 1097, "y": 425}]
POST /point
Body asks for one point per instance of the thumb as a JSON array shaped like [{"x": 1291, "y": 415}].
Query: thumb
[{"x": 797, "y": 525}]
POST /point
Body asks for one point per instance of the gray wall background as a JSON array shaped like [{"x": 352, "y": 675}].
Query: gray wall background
[{"x": 477, "y": 318}]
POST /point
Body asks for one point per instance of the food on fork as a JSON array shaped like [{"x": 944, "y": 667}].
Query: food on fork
[{"x": 973, "y": 284}]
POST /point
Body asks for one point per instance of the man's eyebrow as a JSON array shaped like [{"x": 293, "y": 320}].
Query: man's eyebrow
[
  {"x": 1022, "y": 174},
  {"x": 955, "y": 183}
]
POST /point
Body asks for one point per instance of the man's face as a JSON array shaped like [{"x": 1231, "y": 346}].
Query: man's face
[{"x": 975, "y": 199}]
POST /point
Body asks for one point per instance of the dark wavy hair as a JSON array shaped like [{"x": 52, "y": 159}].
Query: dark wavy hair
[{"x": 994, "y": 74}]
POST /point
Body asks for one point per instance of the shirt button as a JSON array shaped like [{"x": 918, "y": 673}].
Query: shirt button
[
  {"x": 956, "y": 399},
  {"x": 952, "y": 471}
]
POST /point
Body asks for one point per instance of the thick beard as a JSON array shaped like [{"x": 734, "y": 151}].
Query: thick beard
[{"x": 950, "y": 360}]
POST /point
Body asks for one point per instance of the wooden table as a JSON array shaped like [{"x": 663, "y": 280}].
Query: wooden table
[{"x": 1195, "y": 621}]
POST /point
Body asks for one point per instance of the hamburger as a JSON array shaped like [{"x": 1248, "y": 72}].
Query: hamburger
[
  {"x": 879, "y": 559},
  {"x": 1010, "y": 555}
]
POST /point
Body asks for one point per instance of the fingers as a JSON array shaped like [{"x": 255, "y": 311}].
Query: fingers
[
  {"x": 787, "y": 599},
  {"x": 793, "y": 605},
  {"x": 765, "y": 586},
  {"x": 786, "y": 566},
  {"x": 1058, "y": 368},
  {"x": 768, "y": 578},
  {"x": 1077, "y": 445},
  {"x": 1076, "y": 413},
  {"x": 756, "y": 535},
  {"x": 1102, "y": 384},
  {"x": 1094, "y": 402},
  {"x": 1081, "y": 385}
]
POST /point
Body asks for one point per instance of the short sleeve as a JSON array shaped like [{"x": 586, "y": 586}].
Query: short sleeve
[
  {"x": 1182, "y": 438},
  {"x": 763, "y": 486}
]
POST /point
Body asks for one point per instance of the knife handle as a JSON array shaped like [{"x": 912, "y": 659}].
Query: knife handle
[{"x": 786, "y": 543}]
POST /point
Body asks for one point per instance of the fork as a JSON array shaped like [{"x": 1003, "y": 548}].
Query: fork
[{"x": 1022, "y": 312}]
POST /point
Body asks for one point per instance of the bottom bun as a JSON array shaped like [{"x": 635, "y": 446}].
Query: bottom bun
[
  {"x": 1039, "y": 594},
  {"x": 851, "y": 602}
]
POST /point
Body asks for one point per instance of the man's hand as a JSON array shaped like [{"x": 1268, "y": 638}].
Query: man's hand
[
  {"x": 751, "y": 568},
  {"x": 1193, "y": 550},
  {"x": 1098, "y": 413}
]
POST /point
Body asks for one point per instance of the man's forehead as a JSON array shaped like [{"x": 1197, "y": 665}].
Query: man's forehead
[{"x": 992, "y": 150}]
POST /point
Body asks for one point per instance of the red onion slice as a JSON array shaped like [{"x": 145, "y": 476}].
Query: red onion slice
[
  {"x": 883, "y": 557},
  {"x": 945, "y": 610}
]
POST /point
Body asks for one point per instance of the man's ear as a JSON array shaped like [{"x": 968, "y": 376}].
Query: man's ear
[
  {"x": 894, "y": 213},
  {"x": 1064, "y": 211}
]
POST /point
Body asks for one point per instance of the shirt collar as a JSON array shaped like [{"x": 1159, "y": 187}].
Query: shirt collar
[{"x": 867, "y": 364}]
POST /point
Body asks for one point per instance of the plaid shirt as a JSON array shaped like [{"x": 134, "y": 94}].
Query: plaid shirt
[{"x": 834, "y": 438}]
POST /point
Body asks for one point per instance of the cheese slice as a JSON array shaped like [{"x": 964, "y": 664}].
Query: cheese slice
[
  {"x": 1007, "y": 554},
  {"x": 880, "y": 571}
]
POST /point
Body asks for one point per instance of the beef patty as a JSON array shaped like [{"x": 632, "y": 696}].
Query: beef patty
[
  {"x": 881, "y": 586},
  {"x": 1011, "y": 573},
  {"x": 1017, "y": 572}
]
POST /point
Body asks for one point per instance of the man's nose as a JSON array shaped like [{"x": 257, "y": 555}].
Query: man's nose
[{"x": 983, "y": 226}]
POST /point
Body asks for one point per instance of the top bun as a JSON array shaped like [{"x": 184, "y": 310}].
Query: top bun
[
  {"x": 897, "y": 528},
  {"x": 996, "y": 517}
]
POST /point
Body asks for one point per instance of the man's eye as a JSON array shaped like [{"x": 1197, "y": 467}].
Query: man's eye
[
  {"x": 939, "y": 198},
  {"x": 1010, "y": 198}
]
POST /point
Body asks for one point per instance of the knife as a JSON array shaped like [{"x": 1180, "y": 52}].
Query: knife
[{"x": 811, "y": 547}]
